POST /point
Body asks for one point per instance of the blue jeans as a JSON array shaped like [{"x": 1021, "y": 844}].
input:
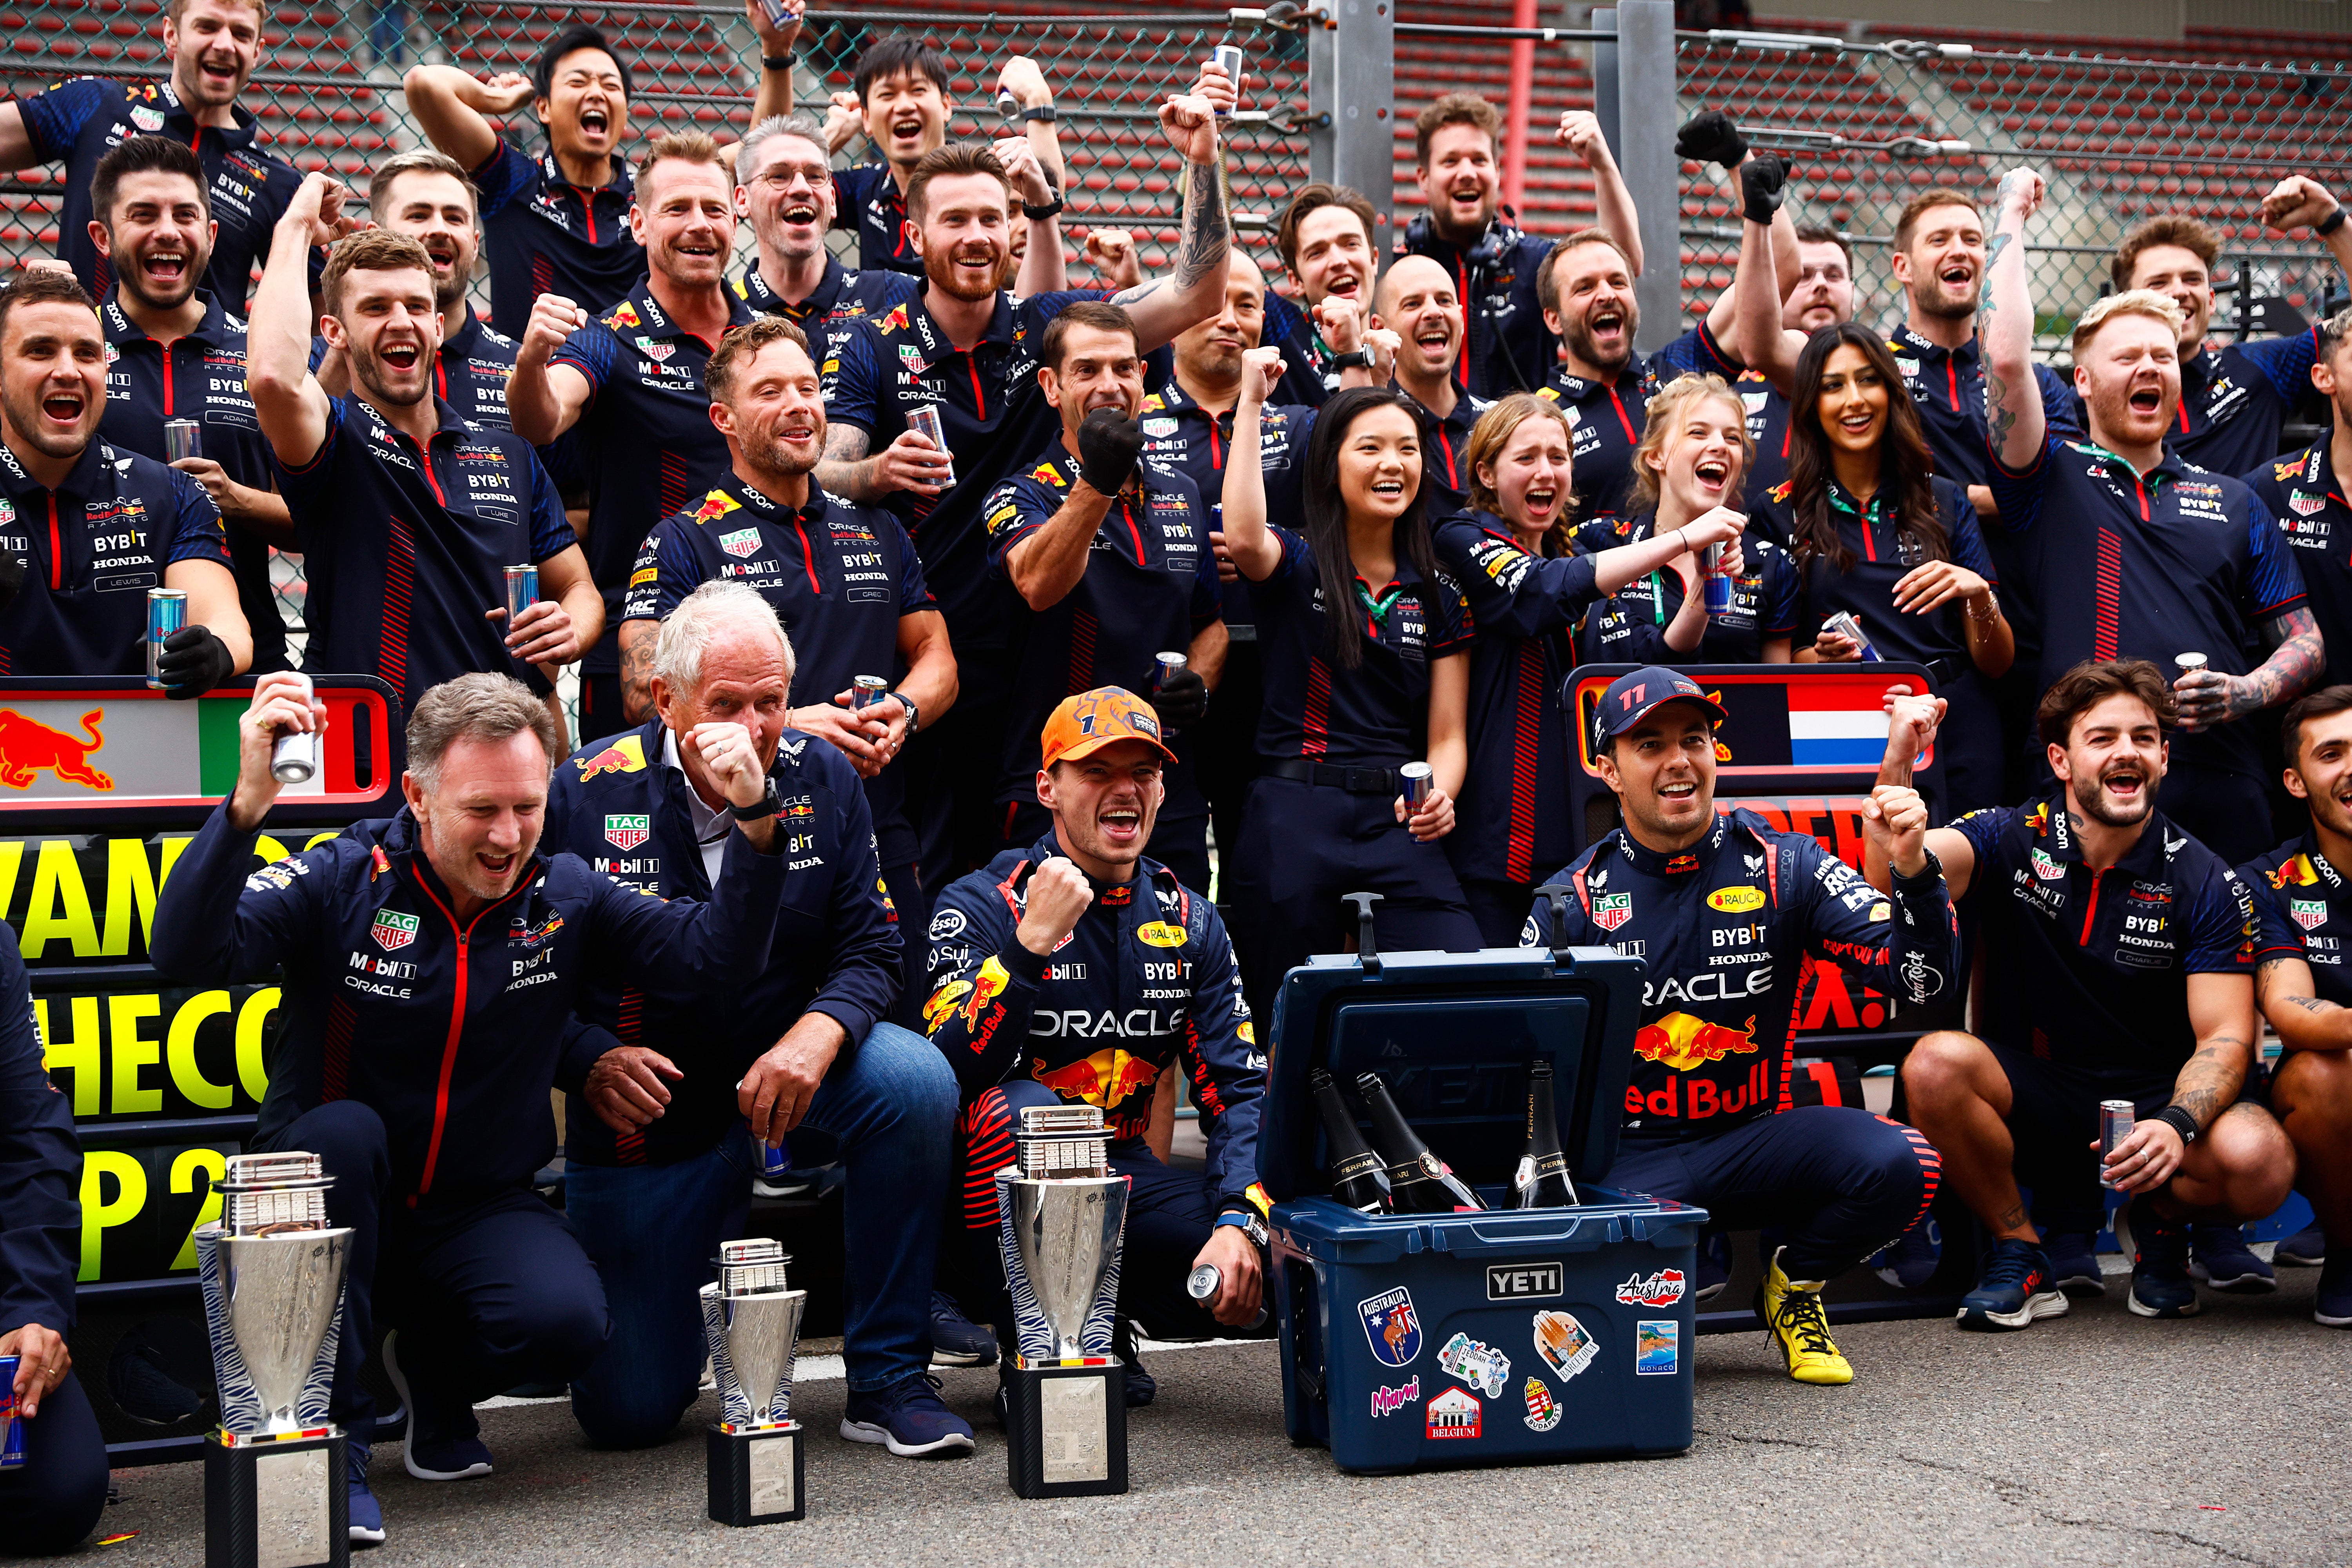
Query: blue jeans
[{"x": 889, "y": 1104}]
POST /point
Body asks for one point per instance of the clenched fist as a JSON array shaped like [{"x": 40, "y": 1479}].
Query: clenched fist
[{"x": 1059, "y": 894}]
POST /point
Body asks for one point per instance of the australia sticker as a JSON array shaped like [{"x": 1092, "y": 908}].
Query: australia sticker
[{"x": 1392, "y": 1326}]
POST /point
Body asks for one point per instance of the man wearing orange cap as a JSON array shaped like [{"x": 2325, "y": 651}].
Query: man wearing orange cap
[{"x": 1075, "y": 970}]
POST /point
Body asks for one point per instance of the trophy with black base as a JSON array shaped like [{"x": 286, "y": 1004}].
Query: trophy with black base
[
  {"x": 271, "y": 1270},
  {"x": 753, "y": 1325},
  {"x": 1062, "y": 1214}
]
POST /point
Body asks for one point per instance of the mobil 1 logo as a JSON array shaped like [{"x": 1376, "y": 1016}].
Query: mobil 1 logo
[{"x": 1523, "y": 1281}]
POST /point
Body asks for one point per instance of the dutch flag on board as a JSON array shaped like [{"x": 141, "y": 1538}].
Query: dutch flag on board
[{"x": 1836, "y": 724}]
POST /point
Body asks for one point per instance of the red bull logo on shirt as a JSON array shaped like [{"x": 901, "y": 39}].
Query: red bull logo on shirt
[
  {"x": 625, "y": 755},
  {"x": 1681, "y": 1042},
  {"x": 2295, "y": 873},
  {"x": 1107, "y": 1078}
]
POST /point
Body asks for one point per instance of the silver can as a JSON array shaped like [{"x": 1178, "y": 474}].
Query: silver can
[
  {"x": 1415, "y": 781},
  {"x": 1202, "y": 1282},
  {"x": 782, "y": 14},
  {"x": 1845, "y": 625},
  {"x": 866, "y": 690},
  {"x": 2116, "y": 1120},
  {"x": 183, "y": 438},
  {"x": 1167, "y": 665},
  {"x": 2189, "y": 663},
  {"x": 167, "y": 612},
  {"x": 294, "y": 758},
  {"x": 522, "y": 592},
  {"x": 1230, "y": 57},
  {"x": 925, "y": 422}
]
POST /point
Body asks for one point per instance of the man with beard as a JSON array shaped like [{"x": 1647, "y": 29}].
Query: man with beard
[
  {"x": 1511, "y": 341},
  {"x": 408, "y": 515},
  {"x": 2127, "y": 952},
  {"x": 86, "y": 529},
  {"x": 2308, "y": 498},
  {"x": 1325, "y": 238},
  {"x": 1111, "y": 557},
  {"x": 967, "y": 353},
  {"x": 2234, "y": 398},
  {"x": 1416, "y": 303},
  {"x": 2303, "y": 891},
  {"x": 2131, "y": 553},
  {"x": 178, "y": 354},
  {"x": 213, "y": 47},
  {"x": 558, "y": 224},
  {"x": 630, "y": 381}
]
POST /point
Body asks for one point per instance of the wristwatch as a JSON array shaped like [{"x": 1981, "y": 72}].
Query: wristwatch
[
  {"x": 768, "y": 805},
  {"x": 1049, "y": 209},
  {"x": 1351, "y": 359},
  {"x": 1041, "y": 114},
  {"x": 913, "y": 714},
  {"x": 1249, "y": 1225}
]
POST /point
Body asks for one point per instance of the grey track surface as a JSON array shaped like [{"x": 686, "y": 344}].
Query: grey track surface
[{"x": 2096, "y": 1439}]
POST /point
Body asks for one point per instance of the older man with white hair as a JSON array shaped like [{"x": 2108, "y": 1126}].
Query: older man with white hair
[{"x": 661, "y": 1151}]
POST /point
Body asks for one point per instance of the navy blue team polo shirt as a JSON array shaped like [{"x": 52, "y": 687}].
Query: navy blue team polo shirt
[
  {"x": 406, "y": 549},
  {"x": 2234, "y": 401},
  {"x": 1445, "y": 451},
  {"x": 544, "y": 234},
  {"x": 834, "y": 308},
  {"x": 1767, "y": 426},
  {"x": 92, "y": 548},
  {"x": 1149, "y": 582},
  {"x": 2306, "y": 499},
  {"x": 1882, "y": 558},
  {"x": 2097, "y": 964},
  {"x": 1507, "y": 348},
  {"x": 1629, "y": 626},
  {"x": 82, "y": 121},
  {"x": 998, "y": 424},
  {"x": 1607, "y": 417},
  {"x": 1376, "y": 714},
  {"x": 1179, "y": 433},
  {"x": 646, "y": 438},
  {"x": 867, "y": 199},
  {"x": 1947, "y": 386},
  {"x": 2304, "y": 906}
]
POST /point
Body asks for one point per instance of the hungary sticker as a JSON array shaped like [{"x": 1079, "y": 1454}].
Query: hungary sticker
[
  {"x": 1543, "y": 1411},
  {"x": 743, "y": 542},
  {"x": 393, "y": 929},
  {"x": 625, "y": 833}
]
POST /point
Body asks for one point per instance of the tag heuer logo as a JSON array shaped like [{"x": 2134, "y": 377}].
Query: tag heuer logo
[
  {"x": 394, "y": 929},
  {"x": 1612, "y": 912},
  {"x": 2046, "y": 868},
  {"x": 1158, "y": 427},
  {"x": 625, "y": 833},
  {"x": 2306, "y": 505},
  {"x": 2309, "y": 913},
  {"x": 146, "y": 119},
  {"x": 742, "y": 542},
  {"x": 910, "y": 356}
]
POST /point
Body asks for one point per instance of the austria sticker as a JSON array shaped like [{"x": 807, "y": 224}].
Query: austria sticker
[
  {"x": 1663, "y": 1289},
  {"x": 393, "y": 929}
]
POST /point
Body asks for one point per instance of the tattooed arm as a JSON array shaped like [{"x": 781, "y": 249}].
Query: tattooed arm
[
  {"x": 908, "y": 463},
  {"x": 2222, "y": 1011},
  {"x": 2013, "y": 412},
  {"x": 1195, "y": 290},
  {"x": 637, "y": 639},
  {"x": 2285, "y": 991},
  {"x": 2208, "y": 698}
]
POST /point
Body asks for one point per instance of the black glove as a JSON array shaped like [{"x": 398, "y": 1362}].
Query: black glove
[
  {"x": 1711, "y": 137},
  {"x": 1762, "y": 181},
  {"x": 1109, "y": 445},
  {"x": 12, "y": 577},
  {"x": 194, "y": 662},
  {"x": 1182, "y": 698}
]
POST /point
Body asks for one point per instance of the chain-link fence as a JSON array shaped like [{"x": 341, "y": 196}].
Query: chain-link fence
[{"x": 1870, "y": 125}]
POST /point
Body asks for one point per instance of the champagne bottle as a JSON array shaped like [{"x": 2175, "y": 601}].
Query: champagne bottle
[
  {"x": 1541, "y": 1180},
  {"x": 1355, "y": 1167},
  {"x": 1419, "y": 1181}
]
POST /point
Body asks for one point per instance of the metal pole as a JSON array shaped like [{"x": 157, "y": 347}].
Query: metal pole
[
  {"x": 1515, "y": 142},
  {"x": 1644, "y": 145},
  {"x": 1350, "y": 82},
  {"x": 1604, "y": 79}
]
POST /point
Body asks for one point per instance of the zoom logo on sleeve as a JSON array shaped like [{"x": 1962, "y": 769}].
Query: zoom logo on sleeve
[{"x": 1523, "y": 1281}]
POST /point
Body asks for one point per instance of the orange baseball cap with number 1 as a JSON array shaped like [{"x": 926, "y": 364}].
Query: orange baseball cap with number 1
[{"x": 1085, "y": 725}]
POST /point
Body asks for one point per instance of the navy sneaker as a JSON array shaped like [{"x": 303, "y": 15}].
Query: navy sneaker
[
  {"x": 441, "y": 1448},
  {"x": 367, "y": 1515},
  {"x": 2014, "y": 1288},
  {"x": 2334, "y": 1307},
  {"x": 2219, "y": 1256},
  {"x": 1714, "y": 1267},
  {"x": 2306, "y": 1248},
  {"x": 1142, "y": 1388},
  {"x": 2073, "y": 1262},
  {"x": 2160, "y": 1286},
  {"x": 1910, "y": 1263},
  {"x": 908, "y": 1419},
  {"x": 956, "y": 1339}
]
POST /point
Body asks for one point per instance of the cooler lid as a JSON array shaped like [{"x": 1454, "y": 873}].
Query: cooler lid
[{"x": 1453, "y": 1035}]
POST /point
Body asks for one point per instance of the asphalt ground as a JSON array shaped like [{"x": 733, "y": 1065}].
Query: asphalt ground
[{"x": 2095, "y": 1438}]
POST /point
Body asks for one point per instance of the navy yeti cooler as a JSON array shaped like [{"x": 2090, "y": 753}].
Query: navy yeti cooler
[{"x": 1410, "y": 1341}]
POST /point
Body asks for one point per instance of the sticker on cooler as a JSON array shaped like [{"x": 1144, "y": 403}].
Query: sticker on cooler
[
  {"x": 1387, "y": 1401},
  {"x": 1563, "y": 1345},
  {"x": 1543, "y": 1411},
  {"x": 1392, "y": 1326},
  {"x": 1475, "y": 1362},
  {"x": 1663, "y": 1289},
  {"x": 1657, "y": 1347},
  {"x": 1453, "y": 1413}
]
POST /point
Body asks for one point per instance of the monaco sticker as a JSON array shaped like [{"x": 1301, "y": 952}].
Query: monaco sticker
[
  {"x": 1453, "y": 1413},
  {"x": 1663, "y": 1289}
]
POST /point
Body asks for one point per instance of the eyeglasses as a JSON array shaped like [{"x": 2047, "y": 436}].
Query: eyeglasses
[{"x": 783, "y": 178}]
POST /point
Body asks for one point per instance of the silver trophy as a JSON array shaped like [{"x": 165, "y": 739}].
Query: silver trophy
[
  {"x": 753, "y": 1325},
  {"x": 271, "y": 1270},
  {"x": 1062, "y": 1214}
]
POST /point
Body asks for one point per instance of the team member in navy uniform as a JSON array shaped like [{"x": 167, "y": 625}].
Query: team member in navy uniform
[
  {"x": 1874, "y": 532},
  {"x": 51, "y": 1501},
  {"x": 89, "y": 529},
  {"x": 557, "y": 224},
  {"x": 967, "y": 351},
  {"x": 1077, "y": 970},
  {"x": 630, "y": 382},
  {"x": 1418, "y": 324},
  {"x": 1687, "y": 472},
  {"x": 2302, "y": 894},
  {"x": 1522, "y": 594},
  {"x": 1725, "y": 910},
  {"x": 2135, "y": 554},
  {"x": 2126, "y": 952},
  {"x": 2304, "y": 492},
  {"x": 2234, "y": 398},
  {"x": 1822, "y": 296},
  {"x": 174, "y": 353},
  {"x": 1111, "y": 557},
  {"x": 404, "y": 942},
  {"x": 214, "y": 47},
  {"x": 1325, "y": 238},
  {"x": 659, "y": 1162},
  {"x": 1359, "y": 681},
  {"x": 843, "y": 580},
  {"x": 408, "y": 515}
]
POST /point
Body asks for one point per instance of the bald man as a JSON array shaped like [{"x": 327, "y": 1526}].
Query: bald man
[{"x": 1418, "y": 324}]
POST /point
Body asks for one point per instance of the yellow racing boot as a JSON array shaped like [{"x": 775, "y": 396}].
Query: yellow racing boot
[{"x": 1791, "y": 1309}]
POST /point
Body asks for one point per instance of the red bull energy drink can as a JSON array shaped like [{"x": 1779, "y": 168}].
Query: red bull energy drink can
[
  {"x": 866, "y": 690},
  {"x": 1230, "y": 57},
  {"x": 1717, "y": 582},
  {"x": 782, "y": 14},
  {"x": 1414, "y": 780},
  {"x": 1846, "y": 627},
  {"x": 11, "y": 1425},
  {"x": 925, "y": 422},
  {"x": 773, "y": 1161},
  {"x": 294, "y": 758},
  {"x": 2116, "y": 1120},
  {"x": 1164, "y": 666},
  {"x": 522, "y": 592},
  {"x": 167, "y": 612},
  {"x": 183, "y": 438}
]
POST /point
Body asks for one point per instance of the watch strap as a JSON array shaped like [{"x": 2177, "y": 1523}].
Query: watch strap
[
  {"x": 1044, "y": 211},
  {"x": 1039, "y": 114},
  {"x": 768, "y": 804}
]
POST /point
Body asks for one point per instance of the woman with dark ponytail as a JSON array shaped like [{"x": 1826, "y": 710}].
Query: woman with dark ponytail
[{"x": 1359, "y": 681}]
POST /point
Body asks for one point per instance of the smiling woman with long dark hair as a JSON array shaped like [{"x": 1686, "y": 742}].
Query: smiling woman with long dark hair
[
  {"x": 1359, "y": 681},
  {"x": 1877, "y": 533}
]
